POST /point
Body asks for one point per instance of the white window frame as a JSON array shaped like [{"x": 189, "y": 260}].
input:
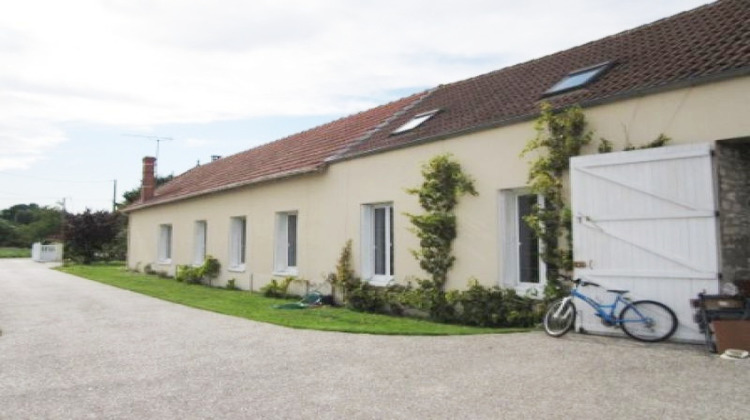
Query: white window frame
[
  {"x": 510, "y": 243},
  {"x": 578, "y": 79},
  {"x": 415, "y": 121},
  {"x": 237, "y": 243},
  {"x": 164, "y": 247},
  {"x": 368, "y": 247},
  {"x": 284, "y": 244},
  {"x": 200, "y": 236}
]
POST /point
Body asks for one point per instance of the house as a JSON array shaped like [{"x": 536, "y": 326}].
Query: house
[{"x": 288, "y": 207}]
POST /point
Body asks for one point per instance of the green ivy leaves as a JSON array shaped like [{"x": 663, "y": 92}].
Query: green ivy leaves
[{"x": 444, "y": 183}]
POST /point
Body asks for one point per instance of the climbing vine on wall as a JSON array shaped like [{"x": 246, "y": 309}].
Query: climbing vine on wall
[
  {"x": 559, "y": 136},
  {"x": 444, "y": 183}
]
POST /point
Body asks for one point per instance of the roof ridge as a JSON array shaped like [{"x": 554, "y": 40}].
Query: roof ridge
[
  {"x": 364, "y": 137},
  {"x": 299, "y": 133},
  {"x": 321, "y": 126},
  {"x": 595, "y": 41}
]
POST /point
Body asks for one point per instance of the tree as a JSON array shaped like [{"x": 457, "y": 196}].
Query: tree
[
  {"x": 23, "y": 224},
  {"x": 8, "y": 234},
  {"x": 89, "y": 234}
]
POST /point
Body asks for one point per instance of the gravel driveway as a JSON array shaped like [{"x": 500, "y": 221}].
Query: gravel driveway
[{"x": 73, "y": 348}]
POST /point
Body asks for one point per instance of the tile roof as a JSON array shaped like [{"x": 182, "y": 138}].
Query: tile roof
[
  {"x": 689, "y": 48},
  {"x": 696, "y": 46},
  {"x": 299, "y": 153}
]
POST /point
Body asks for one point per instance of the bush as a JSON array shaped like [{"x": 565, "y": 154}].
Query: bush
[
  {"x": 188, "y": 274},
  {"x": 198, "y": 275},
  {"x": 493, "y": 307},
  {"x": 344, "y": 279},
  {"x": 277, "y": 290},
  {"x": 476, "y": 306}
]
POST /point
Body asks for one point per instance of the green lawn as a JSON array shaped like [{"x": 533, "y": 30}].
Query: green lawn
[
  {"x": 259, "y": 308},
  {"x": 15, "y": 252}
]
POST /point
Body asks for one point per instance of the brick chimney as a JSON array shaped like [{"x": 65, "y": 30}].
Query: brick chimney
[{"x": 148, "y": 183}]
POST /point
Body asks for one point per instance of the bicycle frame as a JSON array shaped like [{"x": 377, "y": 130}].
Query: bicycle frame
[{"x": 605, "y": 311}]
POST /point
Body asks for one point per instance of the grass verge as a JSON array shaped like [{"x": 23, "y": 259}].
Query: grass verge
[
  {"x": 15, "y": 252},
  {"x": 258, "y": 308}
]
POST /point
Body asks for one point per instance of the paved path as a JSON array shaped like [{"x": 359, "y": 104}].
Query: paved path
[{"x": 72, "y": 348}]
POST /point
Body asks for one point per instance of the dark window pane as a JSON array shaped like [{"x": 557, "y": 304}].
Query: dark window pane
[
  {"x": 379, "y": 236},
  {"x": 528, "y": 243},
  {"x": 291, "y": 230},
  {"x": 169, "y": 241},
  {"x": 390, "y": 237},
  {"x": 243, "y": 240}
]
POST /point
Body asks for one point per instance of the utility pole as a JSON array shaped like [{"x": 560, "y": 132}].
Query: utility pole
[
  {"x": 62, "y": 228},
  {"x": 114, "y": 196}
]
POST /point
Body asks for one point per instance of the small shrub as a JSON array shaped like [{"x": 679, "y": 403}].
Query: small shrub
[
  {"x": 375, "y": 299},
  {"x": 198, "y": 275},
  {"x": 344, "y": 279},
  {"x": 231, "y": 284},
  {"x": 277, "y": 289},
  {"x": 188, "y": 274},
  {"x": 210, "y": 268},
  {"x": 492, "y": 307}
]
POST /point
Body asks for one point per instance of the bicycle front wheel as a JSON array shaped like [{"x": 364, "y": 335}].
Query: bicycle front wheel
[
  {"x": 650, "y": 321},
  {"x": 560, "y": 317}
]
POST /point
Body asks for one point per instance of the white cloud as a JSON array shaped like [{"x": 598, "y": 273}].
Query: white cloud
[
  {"x": 193, "y": 143},
  {"x": 24, "y": 142},
  {"x": 150, "y": 62}
]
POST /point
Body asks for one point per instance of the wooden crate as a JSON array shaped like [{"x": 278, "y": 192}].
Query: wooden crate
[{"x": 732, "y": 334}]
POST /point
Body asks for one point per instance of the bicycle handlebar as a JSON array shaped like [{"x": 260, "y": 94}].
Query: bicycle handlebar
[{"x": 579, "y": 282}]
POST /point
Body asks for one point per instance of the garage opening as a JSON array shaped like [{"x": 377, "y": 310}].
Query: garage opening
[{"x": 733, "y": 163}]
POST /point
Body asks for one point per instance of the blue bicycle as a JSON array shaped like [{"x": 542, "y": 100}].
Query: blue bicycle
[{"x": 643, "y": 320}]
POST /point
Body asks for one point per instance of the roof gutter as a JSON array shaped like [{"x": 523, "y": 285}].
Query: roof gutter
[{"x": 269, "y": 178}]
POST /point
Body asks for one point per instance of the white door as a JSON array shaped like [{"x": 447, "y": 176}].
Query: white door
[{"x": 646, "y": 221}]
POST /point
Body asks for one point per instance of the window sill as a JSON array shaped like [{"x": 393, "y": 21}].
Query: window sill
[
  {"x": 164, "y": 262},
  {"x": 236, "y": 269},
  {"x": 289, "y": 272},
  {"x": 380, "y": 281},
  {"x": 533, "y": 290}
]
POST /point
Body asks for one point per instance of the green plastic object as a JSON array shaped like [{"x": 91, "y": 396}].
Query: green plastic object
[{"x": 310, "y": 300}]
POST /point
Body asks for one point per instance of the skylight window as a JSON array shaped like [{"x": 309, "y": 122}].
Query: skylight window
[
  {"x": 415, "y": 122},
  {"x": 578, "y": 79}
]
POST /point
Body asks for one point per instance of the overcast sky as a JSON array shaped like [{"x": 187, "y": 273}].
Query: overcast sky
[{"x": 84, "y": 83}]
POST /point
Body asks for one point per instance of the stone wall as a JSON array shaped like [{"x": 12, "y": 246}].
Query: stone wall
[{"x": 733, "y": 159}]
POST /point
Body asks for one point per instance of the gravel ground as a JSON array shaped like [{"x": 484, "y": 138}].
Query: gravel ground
[{"x": 72, "y": 348}]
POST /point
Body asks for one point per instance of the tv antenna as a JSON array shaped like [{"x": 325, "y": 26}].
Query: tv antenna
[{"x": 158, "y": 140}]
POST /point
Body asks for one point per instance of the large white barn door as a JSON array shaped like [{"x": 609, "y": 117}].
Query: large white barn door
[{"x": 646, "y": 221}]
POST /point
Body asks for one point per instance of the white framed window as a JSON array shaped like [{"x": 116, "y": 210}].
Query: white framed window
[
  {"x": 578, "y": 78},
  {"x": 285, "y": 255},
  {"x": 237, "y": 243},
  {"x": 416, "y": 121},
  {"x": 164, "y": 248},
  {"x": 521, "y": 249},
  {"x": 200, "y": 236},
  {"x": 377, "y": 243}
]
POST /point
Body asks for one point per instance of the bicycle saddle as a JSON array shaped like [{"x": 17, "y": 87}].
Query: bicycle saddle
[{"x": 619, "y": 292}]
